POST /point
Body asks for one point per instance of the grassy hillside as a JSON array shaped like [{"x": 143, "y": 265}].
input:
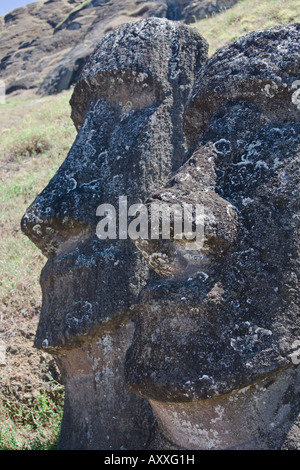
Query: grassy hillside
[{"x": 35, "y": 135}]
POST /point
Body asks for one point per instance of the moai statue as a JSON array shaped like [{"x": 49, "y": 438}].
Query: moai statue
[
  {"x": 128, "y": 108},
  {"x": 216, "y": 349}
]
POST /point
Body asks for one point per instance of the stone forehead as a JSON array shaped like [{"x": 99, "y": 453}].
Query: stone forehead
[
  {"x": 134, "y": 46},
  {"x": 157, "y": 50}
]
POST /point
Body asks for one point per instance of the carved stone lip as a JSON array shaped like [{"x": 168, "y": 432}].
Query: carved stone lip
[
  {"x": 66, "y": 258},
  {"x": 168, "y": 394}
]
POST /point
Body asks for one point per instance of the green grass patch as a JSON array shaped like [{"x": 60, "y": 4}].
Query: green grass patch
[
  {"x": 33, "y": 126},
  {"x": 21, "y": 421}
]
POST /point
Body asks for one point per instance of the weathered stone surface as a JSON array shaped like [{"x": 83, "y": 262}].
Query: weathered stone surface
[
  {"x": 132, "y": 103},
  {"x": 129, "y": 108},
  {"x": 260, "y": 67},
  {"x": 141, "y": 72},
  {"x": 99, "y": 413},
  {"x": 257, "y": 417}
]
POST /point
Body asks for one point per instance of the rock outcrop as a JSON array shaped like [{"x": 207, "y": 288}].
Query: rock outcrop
[{"x": 45, "y": 44}]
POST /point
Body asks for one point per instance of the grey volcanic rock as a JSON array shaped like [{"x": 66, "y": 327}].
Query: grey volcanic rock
[
  {"x": 129, "y": 78},
  {"x": 45, "y": 44},
  {"x": 96, "y": 19},
  {"x": 189, "y": 12},
  {"x": 28, "y": 47},
  {"x": 128, "y": 107}
]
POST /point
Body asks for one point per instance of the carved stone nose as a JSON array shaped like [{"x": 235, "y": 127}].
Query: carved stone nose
[
  {"x": 54, "y": 221},
  {"x": 52, "y": 235},
  {"x": 120, "y": 100},
  {"x": 213, "y": 219}
]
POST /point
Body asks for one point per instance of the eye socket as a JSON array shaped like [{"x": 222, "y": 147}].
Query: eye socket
[
  {"x": 129, "y": 89},
  {"x": 133, "y": 89}
]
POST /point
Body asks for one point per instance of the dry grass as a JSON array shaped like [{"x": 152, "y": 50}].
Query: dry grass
[
  {"x": 247, "y": 16},
  {"x": 35, "y": 136},
  {"x": 31, "y": 151}
]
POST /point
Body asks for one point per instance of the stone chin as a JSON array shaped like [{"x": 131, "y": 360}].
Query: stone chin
[
  {"x": 205, "y": 356},
  {"x": 76, "y": 301},
  {"x": 256, "y": 417}
]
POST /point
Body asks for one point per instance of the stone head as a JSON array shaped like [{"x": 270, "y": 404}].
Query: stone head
[
  {"x": 221, "y": 318},
  {"x": 128, "y": 108}
]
